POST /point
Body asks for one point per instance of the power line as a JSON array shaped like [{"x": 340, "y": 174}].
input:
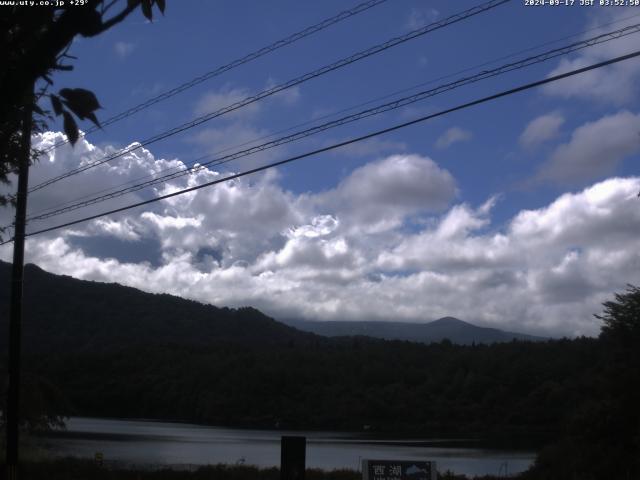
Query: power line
[
  {"x": 362, "y": 7},
  {"x": 463, "y": 106},
  {"x": 401, "y": 102},
  {"x": 291, "y": 83},
  {"x": 193, "y": 163},
  {"x": 284, "y": 86}
]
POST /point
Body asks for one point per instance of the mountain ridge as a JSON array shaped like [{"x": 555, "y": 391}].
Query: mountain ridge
[
  {"x": 445, "y": 328},
  {"x": 57, "y": 310},
  {"x": 57, "y": 307}
]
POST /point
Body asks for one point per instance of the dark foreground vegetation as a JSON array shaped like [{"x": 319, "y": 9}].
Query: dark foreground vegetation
[
  {"x": 105, "y": 350},
  {"x": 483, "y": 391},
  {"x": 73, "y": 469}
]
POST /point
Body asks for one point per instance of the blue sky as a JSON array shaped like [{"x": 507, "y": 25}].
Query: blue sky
[
  {"x": 137, "y": 60},
  {"x": 507, "y": 214}
]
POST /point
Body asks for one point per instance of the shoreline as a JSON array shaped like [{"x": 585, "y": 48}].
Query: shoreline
[{"x": 510, "y": 442}]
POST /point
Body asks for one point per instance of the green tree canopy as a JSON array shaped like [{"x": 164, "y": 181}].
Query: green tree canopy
[
  {"x": 33, "y": 46},
  {"x": 621, "y": 318}
]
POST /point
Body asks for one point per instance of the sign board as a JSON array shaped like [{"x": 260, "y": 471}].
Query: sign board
[
  {"x": 293, "y": 458},
  {"x": 398, "y": 470}
]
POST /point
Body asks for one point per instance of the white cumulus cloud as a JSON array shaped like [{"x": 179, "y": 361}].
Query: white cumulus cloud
[
  {"x": 615, "y": 84},
  {"x": 541, "y": 129},
  {"x": 124, "y": 49},
  {"x": 595, "y": 149},
  {"x": 356, "y": 251},
  {"x": 453, "y": 135}
]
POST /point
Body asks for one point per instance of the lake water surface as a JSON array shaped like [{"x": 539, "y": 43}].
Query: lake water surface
[{"x": 159, "y": 443}]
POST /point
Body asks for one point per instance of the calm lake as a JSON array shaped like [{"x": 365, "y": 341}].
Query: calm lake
[{"x": 158, "y": 443}]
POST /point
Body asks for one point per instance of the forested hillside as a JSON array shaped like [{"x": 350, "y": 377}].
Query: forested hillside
[
  {"x": 63, "y": 314},
  {"x": 441, "y": 389},
  {"x": 107, "y": 353}
]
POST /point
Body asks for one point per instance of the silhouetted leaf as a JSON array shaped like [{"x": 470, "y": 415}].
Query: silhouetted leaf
[
  {"x": 146, "y": 9},
  {"x": 56, "y": 104},
  {"x": 161, "y": 5},
  {"x": 70, "y": 127},
  {"x": 91, "y": 23},
  {"x": 81, "y": 102},
  {"x": 92, "y": 116},
  {"x": 37, "y": 109}
]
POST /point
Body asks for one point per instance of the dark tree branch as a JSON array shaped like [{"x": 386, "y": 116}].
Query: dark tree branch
[
  {"x": 118, "y": 18},
  {"x": 34, "y": 44}
]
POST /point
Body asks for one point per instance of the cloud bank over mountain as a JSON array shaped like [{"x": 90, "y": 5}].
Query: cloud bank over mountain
[{"x": 390, "y": 241}]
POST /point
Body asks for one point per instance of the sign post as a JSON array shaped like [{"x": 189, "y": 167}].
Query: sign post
[
  {"x": 293, "y": 458},
  {"x": 398, "y": 470}
]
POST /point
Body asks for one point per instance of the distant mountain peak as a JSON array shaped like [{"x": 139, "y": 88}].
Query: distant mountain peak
[
  {"x": 451, "y": 321},
  {"x": 450, "y": 328}
]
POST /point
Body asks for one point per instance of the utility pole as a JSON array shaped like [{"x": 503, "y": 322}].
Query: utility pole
[{"x": 17, "y": 274}]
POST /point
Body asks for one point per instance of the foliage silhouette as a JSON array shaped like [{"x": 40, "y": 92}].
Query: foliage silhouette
[
  {"x": 117, "y": 352},
  {"x": 35, "y": 45},
  {"x": 602, "y": 438}
]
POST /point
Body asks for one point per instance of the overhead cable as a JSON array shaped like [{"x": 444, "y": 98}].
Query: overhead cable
[
  {"x": 398, "y": 103},
  {"x": 334, "y": 146},
  {"x": 279, "y": 88},
  {"x": 231, "y": 65}
]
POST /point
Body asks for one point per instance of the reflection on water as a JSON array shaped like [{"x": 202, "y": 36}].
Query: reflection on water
[{"x": 150, "y": 442}]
